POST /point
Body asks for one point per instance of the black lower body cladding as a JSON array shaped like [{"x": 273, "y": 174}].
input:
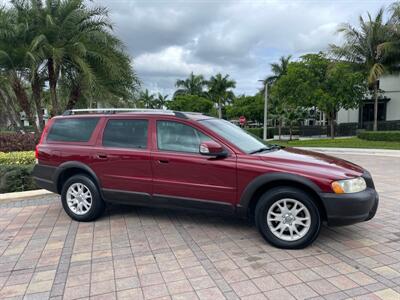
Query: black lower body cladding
[{"x": 345, "y": 209}]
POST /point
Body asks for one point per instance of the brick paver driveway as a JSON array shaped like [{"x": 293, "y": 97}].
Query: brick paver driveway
[{"x": 135, "y": 253}]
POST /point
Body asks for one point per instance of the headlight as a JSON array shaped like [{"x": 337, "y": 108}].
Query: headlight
[{"x": 353, "y": 185}]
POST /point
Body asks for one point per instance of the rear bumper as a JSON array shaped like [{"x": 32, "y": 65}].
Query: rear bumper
[
  {"x": 345, "y": 209},
  {"x": 44, "y": 177}
]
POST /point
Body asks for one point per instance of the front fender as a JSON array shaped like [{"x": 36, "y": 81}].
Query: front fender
[{"x": 267, "y": 179}]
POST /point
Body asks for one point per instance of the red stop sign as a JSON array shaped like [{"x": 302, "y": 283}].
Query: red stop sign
[{"x": 242, "y": 120}]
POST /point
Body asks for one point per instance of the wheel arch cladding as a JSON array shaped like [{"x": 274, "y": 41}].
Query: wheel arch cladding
[
  {"x": 68, "y": 169},
  {"x": 265, "y": 182}
]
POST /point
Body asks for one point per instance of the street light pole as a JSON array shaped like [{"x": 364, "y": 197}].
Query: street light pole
[{"x": 265, "y": 112}]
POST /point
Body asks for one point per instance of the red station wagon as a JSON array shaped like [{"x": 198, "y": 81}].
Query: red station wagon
[{"x": 189, "y": 160}]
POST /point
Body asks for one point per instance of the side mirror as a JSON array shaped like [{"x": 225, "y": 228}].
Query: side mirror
[{"x": 211, "y": 148}]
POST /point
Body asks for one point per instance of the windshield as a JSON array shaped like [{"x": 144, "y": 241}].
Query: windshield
[{"x": 234, "y": 134}]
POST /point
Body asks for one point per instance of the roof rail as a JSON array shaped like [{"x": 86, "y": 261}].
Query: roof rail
[{"x": 114, "y": 110}]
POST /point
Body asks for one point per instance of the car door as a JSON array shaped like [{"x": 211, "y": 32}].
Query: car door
[
  {"x": 181, "y": 172},
  {"x": 122, "y": 159}
]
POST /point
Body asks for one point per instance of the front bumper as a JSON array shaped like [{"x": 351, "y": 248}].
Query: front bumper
[{"x": 345, "y": 209}]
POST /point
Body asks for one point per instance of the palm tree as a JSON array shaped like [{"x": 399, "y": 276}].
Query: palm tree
[
  {"x": 161, "y": 100},
  {"x": 361, "y": 48},
  {"x": 193, "y": 85},
  {"x": 15, "y": 39},
  {"x": 278, "y": 70},
  {"x": 147, "y": 100},
  {"x": 219, "y": 90},
  {"x": 391, "y": 48}
]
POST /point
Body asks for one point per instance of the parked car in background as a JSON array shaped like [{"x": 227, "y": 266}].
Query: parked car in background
[{"x": 188, "y": 160}]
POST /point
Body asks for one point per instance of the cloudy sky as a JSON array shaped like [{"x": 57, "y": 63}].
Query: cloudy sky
[{"x": 169, "y": 39}]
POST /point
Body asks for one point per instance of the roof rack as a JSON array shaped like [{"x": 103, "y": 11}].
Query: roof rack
[
  {"x": 178, "y": 114},
  {"x": 114, "y": 110}
]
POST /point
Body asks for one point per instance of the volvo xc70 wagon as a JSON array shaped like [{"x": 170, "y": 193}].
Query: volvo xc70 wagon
[{"x": 189, "y": 160}]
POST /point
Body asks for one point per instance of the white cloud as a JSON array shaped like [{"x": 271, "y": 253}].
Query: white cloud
[
  {"x": 170, "y": 39},
  {"x": 171, "y": 61}
]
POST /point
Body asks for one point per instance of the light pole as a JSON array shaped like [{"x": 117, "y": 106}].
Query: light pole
[{"x": 265, "y": 112}]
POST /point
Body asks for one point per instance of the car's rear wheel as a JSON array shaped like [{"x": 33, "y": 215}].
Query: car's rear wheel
[
  {"x": 81, "y": 198},
  {"x": 287, "y": 218}
]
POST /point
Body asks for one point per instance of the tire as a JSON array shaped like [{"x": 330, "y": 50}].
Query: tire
[
  {"x": 83, "y": 212},
  {"x": 277, "y": 224}
]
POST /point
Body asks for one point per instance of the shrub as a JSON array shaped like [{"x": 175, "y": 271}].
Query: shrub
[
  {"x": 390, "y": 136},
  {"x": 15, "y": 141},
  {"x": 16, "y": 178},
  {"x": 17, "y": 158},
  {"x": 259, "y": 132}
]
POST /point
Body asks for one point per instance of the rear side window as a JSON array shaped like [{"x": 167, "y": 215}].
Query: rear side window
[
  {"x": 126, "y": 134},
  {"x": 72, "y": 130}
]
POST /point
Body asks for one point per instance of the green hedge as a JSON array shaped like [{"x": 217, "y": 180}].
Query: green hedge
[
  {"x": 259, "y": 132},
  {"x": 390, "y": 136},
  {"x": 17, "y": 158},
  {"x": 16, "y": 178}
]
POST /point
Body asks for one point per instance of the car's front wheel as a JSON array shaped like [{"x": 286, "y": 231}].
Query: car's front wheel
[
  {"x": 81, "y": 199},
  {"x": 287, "y": 218}
]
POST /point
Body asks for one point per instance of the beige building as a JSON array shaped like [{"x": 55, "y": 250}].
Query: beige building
[{"x": 388, "y": 106}]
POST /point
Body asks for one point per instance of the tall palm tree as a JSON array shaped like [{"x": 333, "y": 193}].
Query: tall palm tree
[
  {"x": 193, "y": 85},
  {"x": 219, "y": 90},
  {"x": 391, "y": 48},
  {"x": 278, "y": 70},
  {"x": 361, "y": 48},
  {"x": 147, "y": 100}
]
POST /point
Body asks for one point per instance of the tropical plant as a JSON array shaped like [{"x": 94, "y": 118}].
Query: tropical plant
[
  {"x": 361, "y": 49},
  {"x": 66, "y": 46},
  {"x": 278, "y": 70},
  {"x": 192, "y": 103},
  {"x": 391, "y": 48},
  {"x": 219, "y": 90},
  {"x": 251, "y": 107},
  {"x": 147, "y": 100},
  {"x": 15, "y": 58},
  {"x": 193, "y": 85},
  {"x": 161, "y": 100},
  {"x": 316, "y": 81}
]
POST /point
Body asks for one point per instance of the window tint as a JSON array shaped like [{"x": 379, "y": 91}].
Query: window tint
[
  {"x": 174, "y": 136},
  {"x": 126, "y": 134},
  {"x": 72, "y": 130}
]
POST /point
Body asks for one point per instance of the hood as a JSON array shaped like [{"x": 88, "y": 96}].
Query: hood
[{"x": 314, "y": 162}]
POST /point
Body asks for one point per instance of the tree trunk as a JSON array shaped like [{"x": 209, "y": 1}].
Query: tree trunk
[
  {"x": 23, "y": 101},
  {"x": 331, "y": 120},
  {"x": 53, "y": 78},
  {"x": 375, "y": 128},
  {"x": 280, "y": 129},
  {"x": 36, "y": 95},
  {"x": 332, "y": 129},
  {"x": 74, "y": 96},
  {"x": 290, "y": 132},
  {"x": 219, "y": 109},
  {"x": 13, "y": 115}
]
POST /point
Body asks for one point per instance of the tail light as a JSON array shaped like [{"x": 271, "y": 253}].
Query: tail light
[{"x": 44, "y": 132}]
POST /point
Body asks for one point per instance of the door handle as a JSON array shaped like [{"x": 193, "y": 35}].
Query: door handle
[
  {"x": 102, "y": 156},
  {"x": 163, "y": 161}
]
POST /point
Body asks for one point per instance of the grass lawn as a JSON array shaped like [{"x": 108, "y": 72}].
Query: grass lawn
[{"x": 353, "y": 142}]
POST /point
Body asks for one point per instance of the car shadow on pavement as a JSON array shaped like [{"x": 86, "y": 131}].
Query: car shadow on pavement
[{"x": 216, "y": 221}]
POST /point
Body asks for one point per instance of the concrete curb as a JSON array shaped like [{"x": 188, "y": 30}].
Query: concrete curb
[
  {"x": 354, "y": 151},
  {"x": 23, "y": 195}
]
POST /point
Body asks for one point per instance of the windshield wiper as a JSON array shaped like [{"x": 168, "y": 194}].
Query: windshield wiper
[
  {"x": 260, "y": 150},
  {"x": 271, "y": 147}
]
